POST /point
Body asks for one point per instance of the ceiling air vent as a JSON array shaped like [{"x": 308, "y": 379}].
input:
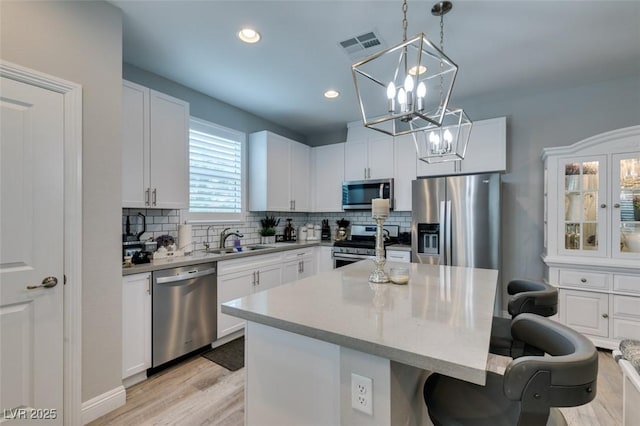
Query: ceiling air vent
[{"x": 361, "y": 46}]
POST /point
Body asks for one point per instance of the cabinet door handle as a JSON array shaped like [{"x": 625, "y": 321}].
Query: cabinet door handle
[
  {"x": 603, "y": 206},
  {"x": 605, "y": 315},
  {"x": 149, "y": 284},
  {"x": 369, "y": 172},
  {"x": 616, "y": 205},
  {"x": 302, "y": 266},
  {"x": 583, "y": 280},
  {"x": 258, "y": 276},
  {"x": 146, "y": 197},
  {"x": 253, "y": 282},
  {"x": 294, "y": 205},
  {"x": 365, "y": 172},
  {"x": 155, "y": 196}
]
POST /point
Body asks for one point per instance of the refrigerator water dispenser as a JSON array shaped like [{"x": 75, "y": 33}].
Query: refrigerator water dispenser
[{"x": 428, "y": 234}]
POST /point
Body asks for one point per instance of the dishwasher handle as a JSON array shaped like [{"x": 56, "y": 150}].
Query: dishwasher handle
[{"x": 188, "y": 276}]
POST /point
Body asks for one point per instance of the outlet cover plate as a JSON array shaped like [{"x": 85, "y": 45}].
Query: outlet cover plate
[{"x": 362, "y": 393}]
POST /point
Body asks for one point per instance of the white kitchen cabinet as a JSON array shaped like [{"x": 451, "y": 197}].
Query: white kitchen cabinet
[
  {"x": 589, "y": 227},
  {"x": 405, "y": 171},
  {"x": 398, "y": 255},
  {"x": 328, "y": 174},
  {"x": 324, "y": 258},
  {"x": 585, "y": 311},
  {"x": 241, "y": 277},
  {"x": 300, "y": 177},
  {"x": 369, "y": 159},
  {"x": 279, "y": 178},
  {"x": 155, "y": 149},
  {"x": 486, "y": 151},
  {"x": 298, "y": 264},
  {"x": 136, "y": 324}
]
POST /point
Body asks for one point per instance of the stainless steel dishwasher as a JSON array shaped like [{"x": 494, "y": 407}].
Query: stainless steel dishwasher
[{"x": 184, "y": 311}]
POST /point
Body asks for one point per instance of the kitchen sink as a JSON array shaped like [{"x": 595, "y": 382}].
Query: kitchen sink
[{"x": 240, "y": 249}]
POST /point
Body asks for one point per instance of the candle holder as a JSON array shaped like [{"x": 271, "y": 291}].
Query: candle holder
[{"x": 378, "y": 275}]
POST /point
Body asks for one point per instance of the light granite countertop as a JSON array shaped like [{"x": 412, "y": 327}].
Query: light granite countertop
[
  {"x": 440, "y": 321},
  {"x": 203, "y": 257}
]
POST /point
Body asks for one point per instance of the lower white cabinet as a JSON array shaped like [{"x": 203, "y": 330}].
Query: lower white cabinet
[
  {"x": 298, "y": 264},
  {"x": 603, "y": 305},
  {"x": 241, "y": 277},
  {"x": 398, "y": 256},
  {"x": 136, "y": 324},
  {"x": 324, "y": 258}
]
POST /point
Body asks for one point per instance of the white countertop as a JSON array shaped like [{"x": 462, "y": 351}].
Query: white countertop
[
  {"x": 440, "y": 321},
  {"x": 203, "y": 257}
]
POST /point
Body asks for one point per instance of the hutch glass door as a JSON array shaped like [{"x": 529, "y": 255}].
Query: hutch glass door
[
  {"x": 626, "y": 199},
  {"x": 584, "y": 206}
]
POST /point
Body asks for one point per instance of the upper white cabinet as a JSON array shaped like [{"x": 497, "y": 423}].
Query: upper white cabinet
[
  {"x": 405, "y": 171},
  {"x": 328, "y": 174},
  {"x": 592, "y": 234},
  {"x": 371, "y": 158},
  {"x": 486, "y": 151},
  {"x": 155, "y": 149},
  {"x": 279, "y": 178}
]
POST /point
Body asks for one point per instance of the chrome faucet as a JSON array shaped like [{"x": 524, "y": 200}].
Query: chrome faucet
[
  {"x": 206, "y": 244},
  {"x": 224, "y": 235}
]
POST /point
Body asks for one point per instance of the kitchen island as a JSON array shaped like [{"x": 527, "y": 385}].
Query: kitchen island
[{"x": 305, "y": 340}]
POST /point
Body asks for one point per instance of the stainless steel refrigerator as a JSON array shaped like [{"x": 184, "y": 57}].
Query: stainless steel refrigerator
[{"x": 456, "y": 221}]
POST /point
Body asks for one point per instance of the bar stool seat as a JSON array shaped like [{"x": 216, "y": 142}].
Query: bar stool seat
[{"x": 525, "y": 297}]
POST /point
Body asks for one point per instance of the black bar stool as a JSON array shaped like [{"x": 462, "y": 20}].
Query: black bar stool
[
  {"x": 531, "y": 387},
  {"x": 526, "y": 297}
]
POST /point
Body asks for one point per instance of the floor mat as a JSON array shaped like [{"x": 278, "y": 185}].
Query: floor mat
[{"x": 230, "y": 355}]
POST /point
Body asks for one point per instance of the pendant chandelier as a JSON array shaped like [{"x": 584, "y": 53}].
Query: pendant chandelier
[
  {"x": 447, "y": 142},
  {"x": 406, "y": 88}
]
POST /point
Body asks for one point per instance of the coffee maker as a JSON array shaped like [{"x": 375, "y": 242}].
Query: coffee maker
[{"x": 326, "y": 231}]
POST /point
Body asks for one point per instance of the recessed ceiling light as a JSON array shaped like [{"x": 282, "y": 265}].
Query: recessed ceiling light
[
  {"x": 418, "y": 70},
  {"x": 330, "y": 94},
  {"x": 249, "y": 35}
]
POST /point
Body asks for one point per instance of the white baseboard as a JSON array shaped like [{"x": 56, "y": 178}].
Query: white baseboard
[{"x": 103, "y": 404}]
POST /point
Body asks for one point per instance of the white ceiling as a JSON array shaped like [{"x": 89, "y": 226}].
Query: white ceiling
[{"x": 502, "y": 47}]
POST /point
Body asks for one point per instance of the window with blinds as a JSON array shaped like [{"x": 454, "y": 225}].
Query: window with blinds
[{"x": 215, "y": 172}]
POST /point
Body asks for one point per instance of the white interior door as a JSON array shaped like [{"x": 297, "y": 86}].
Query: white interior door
[{"x": 31, "y": 253}]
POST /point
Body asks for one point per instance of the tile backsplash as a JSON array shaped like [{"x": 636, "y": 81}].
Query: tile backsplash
[{"x": 165, "y": 222}]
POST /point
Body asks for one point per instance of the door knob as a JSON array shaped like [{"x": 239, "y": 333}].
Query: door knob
[{"x": 48, "y": 282}]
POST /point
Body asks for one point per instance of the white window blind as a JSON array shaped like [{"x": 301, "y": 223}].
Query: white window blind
[{"x": 215, "y": 171}]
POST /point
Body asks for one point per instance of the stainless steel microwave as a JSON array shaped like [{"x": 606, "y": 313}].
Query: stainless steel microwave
[{"x": 357, "y": 194}]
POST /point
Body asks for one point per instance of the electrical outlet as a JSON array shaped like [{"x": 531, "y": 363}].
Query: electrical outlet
[{"x": 362, "y": 393}]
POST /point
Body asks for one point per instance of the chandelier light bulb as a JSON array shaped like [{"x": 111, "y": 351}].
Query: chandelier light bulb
[
  {"x": 402, "y": 99},
  {"x": 421, "y": 93},
  {"x": 408, "y": 83},
  {"x": 391, "y": 94},
  {"x": 391, "y": 91},
  {"x": 448, "y": 137}
]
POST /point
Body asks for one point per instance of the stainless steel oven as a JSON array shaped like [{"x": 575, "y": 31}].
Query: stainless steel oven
[{"x": 361, "y": 245}]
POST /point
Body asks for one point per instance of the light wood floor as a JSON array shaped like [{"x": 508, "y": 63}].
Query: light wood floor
[{"x": 200, "y": 392}]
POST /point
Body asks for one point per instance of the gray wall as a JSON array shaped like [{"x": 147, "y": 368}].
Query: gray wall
[
  {"x": 555, "y": 118},
  {"x": 82, "y": 42},
  {"x": 207, "y": 108}
]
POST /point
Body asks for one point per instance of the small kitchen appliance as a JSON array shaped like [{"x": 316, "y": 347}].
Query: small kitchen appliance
[
  {"x": 325, "y": 234},
  {"x": 359, "y": 194}
]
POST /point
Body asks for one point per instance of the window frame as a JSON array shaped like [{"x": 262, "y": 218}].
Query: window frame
[{"x": 208, "y": 218}]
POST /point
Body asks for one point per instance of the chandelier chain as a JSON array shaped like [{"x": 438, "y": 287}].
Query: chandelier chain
[
  {"x": 404, "y": 20},
  {"x": 441, "y": 62}
]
